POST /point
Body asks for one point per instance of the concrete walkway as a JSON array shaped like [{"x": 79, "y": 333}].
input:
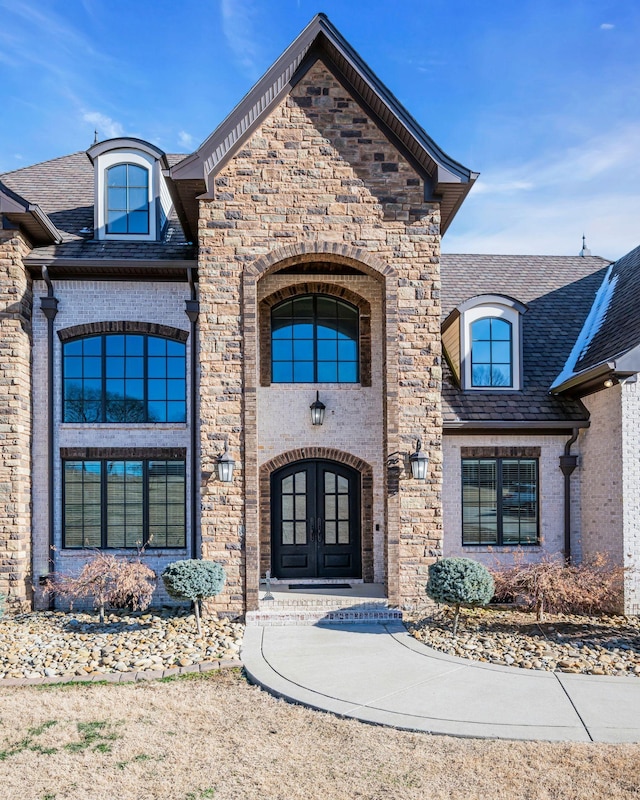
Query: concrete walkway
[{"x": 378, "y": 673}]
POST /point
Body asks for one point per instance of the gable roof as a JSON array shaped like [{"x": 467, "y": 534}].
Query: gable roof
[
  {"x": 448, "y": 181},
  {"x": 27, "y": 216},
  {"x": 558, "y": 292},
  {"x": 63, "y": 189},
  {"x": 609, "y": 342}
]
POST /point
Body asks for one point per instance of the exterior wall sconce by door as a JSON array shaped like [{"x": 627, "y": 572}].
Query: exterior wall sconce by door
[
  {"x": 225, "y": 464},
  {"x": 317, "y": 410},
  {"x": 419, "y": 462}
]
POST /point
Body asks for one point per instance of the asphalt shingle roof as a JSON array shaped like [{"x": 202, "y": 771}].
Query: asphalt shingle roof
[
  {"x": 64, "y": 189},
  {"x": 620, "y": 329},
  {"x": 558, "y": 291}
]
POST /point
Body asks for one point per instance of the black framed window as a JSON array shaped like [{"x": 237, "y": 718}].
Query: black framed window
[
  {"x": 491, "y": 352},
  {"x": 127, "y": 199},
  {"x": 124, "y": 503},
  {"x": 124, "y": 378},
  {"x": 500, "y": 501},
  {"x": 314, "y": 339}
]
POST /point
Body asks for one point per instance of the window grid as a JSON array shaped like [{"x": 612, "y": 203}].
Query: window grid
[
  {"x": 500, "y": 501},
  {"x": 314, "y": 339},
  {"x": 124, "y": 378},
  {"x": 125, "y": 498},
  {"x": 491, "y": 353},
  {"x": 127, "y": 199}
]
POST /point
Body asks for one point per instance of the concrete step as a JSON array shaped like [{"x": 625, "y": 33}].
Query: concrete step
[{"x": 318, "y": 616}]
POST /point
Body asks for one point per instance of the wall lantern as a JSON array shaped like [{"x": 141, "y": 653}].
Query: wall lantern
[
  {"x": 225, "y": 464},
  {"x": 317, "y": 410},
  {"x": 419, "y": 461}
]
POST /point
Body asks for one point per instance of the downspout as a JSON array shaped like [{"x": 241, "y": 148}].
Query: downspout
[
  {"x": 568, "y": 463},
  {"x": 192, "y": 309},
  {"x": 49, "y": 307}
]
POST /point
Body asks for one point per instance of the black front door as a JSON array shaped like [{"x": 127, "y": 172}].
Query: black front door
[{"x": 315, "y": 521}]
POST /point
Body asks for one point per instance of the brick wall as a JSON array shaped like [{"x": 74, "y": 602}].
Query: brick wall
[
  {"x": 630, "y": 395},
  {"x": 83, "y": 303},
  {"x": 15, "y": 422},
  {"x": 318, "y": 180}
]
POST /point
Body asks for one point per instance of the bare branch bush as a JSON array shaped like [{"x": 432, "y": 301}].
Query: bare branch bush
[
  {"x": 108, "y": 581},
  {"x": 592, "y": 587}
]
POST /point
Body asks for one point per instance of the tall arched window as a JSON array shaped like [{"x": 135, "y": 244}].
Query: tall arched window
[
  {"x": 127, "y": 199},
  {"x": 314, "y": 339},
  {"x": 124, "y": 377},
  {"x": 491, "y": 352}
]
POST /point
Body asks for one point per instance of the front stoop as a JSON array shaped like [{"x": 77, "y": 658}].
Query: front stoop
[{"x": 362, "y": 603}]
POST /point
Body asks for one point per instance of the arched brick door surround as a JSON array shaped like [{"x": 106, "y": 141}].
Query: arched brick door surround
[
  {"x": 387, "y": 276},
  {"x": 320, "y": 454}
]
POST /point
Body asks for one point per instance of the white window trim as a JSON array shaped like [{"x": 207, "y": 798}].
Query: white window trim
[
  {"x": 102, "y": 164},
  {"x": 498, "y": 310}
]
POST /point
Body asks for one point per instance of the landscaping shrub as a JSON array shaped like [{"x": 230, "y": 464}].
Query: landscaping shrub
[
  {"x": 194, "y": 580},
  {"x": 592, "y": 587},
  {"x": 109, "y": 581},
  {"x": 459, "y": 581}
]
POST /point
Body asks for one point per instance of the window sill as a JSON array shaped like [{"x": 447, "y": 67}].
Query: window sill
[
  {"x": 125, "y": 426},
  {"x": 500, "y": 548}
]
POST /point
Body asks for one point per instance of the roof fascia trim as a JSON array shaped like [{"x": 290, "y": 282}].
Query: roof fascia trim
[
  {"x": 15, "y": 207},
  {"x": 483, "y": 426},
  {"x": 127, "y": 143},
  {"x": 492, "y": 300}
]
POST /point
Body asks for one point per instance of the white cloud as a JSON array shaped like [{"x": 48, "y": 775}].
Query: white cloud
[
  {"x": 107, "y": 128},
  {"x": 185, "y": 140},
  {"x": 240, "y": 26},
  {"x": 545, "y": 205},
  {"x": 607, "y": 26}
]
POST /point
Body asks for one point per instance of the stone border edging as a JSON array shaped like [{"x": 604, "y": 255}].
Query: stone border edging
[{"x": 124, "y": 677}]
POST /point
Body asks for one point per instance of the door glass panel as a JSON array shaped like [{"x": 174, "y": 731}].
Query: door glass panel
[
  {"x": 330, "y": 533},
  {"x": 330, "y": 506},
  {"x": 287, "y": 484},
  {"x": 287, "y": 533},
  {"x": 343, "y": 506},
  {"x": 329, "y": 482},
  {"x": 301, "y": 506},
  {"x": 343, "y": 533},
  {"x": 343, "y": 485},
  {"x": 287, "y": 506},
  {"x": 301, "y": 532},
  {"x": 301, "y": 482}
]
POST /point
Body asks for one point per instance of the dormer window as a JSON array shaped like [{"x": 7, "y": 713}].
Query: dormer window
[
  {"x": 482, "y": 343},
  {"x": 131, "y": 200},
  {"x": 127, "y": 199}
]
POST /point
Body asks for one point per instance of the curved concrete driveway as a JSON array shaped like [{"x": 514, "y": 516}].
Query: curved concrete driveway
[{"x": 378, "y": 673}]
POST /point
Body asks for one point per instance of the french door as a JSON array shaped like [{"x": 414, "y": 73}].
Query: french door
[{"x": 315, "y": 521}]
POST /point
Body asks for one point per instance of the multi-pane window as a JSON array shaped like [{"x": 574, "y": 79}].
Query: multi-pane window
[
  {"x": 314, "y": 339},
  {"x": 491, "y": 353},
  {"x": 124, "y": 378},
  {"x": 124, "y": 503},
  {"x": 499, "y": 501},
  {"x": 128, "y": 199}
]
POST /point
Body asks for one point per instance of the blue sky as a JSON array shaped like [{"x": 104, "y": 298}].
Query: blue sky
[{"x": 540, "y": 96}]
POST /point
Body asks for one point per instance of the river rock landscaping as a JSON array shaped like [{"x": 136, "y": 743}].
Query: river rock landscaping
[
  {"x": 54, "y": 644},
  {"x": 562, "y": 642}
]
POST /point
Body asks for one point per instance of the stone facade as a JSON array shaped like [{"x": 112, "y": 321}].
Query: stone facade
[
  {"x": 15, "y": 422},
  {"x": 319, "y": 182}
]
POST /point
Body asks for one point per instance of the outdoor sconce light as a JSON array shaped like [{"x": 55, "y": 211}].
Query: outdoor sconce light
[
  {"x": 419, "y": 461},
  {"x": 225, "y": 464},
  {"x": 317, "y": 411},
  {"x": 608, "y": 383}
]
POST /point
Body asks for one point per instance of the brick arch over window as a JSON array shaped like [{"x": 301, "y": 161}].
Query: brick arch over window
[
  {"x": 311, "y": 287},
  {"x": 123, "y": 326},
  {"x": 323, "y": 251},
  {"x": 318, "y": 454}
]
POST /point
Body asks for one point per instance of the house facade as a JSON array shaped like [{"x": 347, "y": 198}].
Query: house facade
[{"x": 164, "y": 315}]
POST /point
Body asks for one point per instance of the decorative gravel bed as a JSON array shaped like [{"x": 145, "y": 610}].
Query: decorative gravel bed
[
  {"x": 57, "y": 644},
  {"x": 563, "y": 642}
]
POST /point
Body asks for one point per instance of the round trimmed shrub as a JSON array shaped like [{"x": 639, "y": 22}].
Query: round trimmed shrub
[
  {"x": 195, "y": 580},
  {"x": 459, "y": 581}
]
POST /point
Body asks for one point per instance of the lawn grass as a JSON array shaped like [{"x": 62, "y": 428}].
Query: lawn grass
[{"x": 214, "y": 736}]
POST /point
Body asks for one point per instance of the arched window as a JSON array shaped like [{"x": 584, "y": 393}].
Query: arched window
[
  {"x": 314, "y": 339},
  {"x": 127, "y": 199},
  {"x": 124, "y": 377},
  {"x": 491, "y": 352}
]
